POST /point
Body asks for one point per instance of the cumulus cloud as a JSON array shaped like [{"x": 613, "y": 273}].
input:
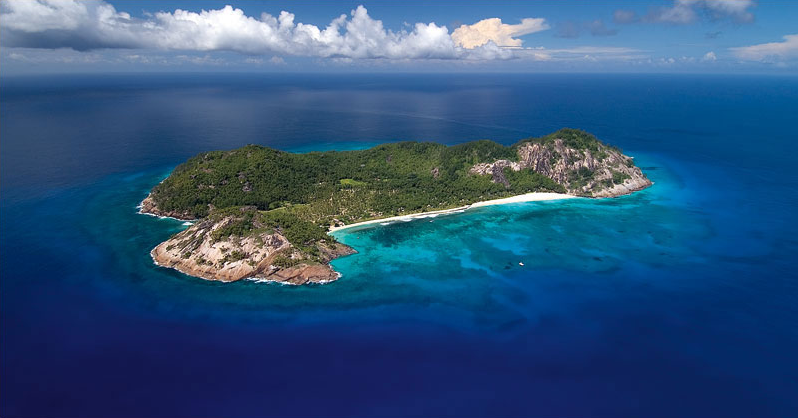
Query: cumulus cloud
[
  {"x": 689, "y": 11},
  {"x": 36, "y": 16},
  {"x": 65, "y": 24},
  {"x": 709, "y": 56},
  {"x": 773, "y": 51},
  {"x": 493, "y": 30},
  {"x": 84, "y": 26}
]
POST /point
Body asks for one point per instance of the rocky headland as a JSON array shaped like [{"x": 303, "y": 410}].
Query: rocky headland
[
  {"x": 601, "y": 172},
  {"x": 210, "y": 250}
]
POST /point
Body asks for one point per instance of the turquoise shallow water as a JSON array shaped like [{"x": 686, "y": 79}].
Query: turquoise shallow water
[
  {"x": 456, "y": 270},
  {"x": 679, "y": 300},
  {"x": 468, "y": 262}
]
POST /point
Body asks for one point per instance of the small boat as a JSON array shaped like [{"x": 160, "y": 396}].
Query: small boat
[{"x": 520, "y": 263}]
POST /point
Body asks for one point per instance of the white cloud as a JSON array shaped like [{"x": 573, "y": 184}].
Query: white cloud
[
  {"x": 83, "y": 26},
  {"x": 34, "y": 16},
  {"x": 197, "y": 60},
  {"x": 786, "y": 49},
  {"x": 681, "y": 13},
  {"x": 588, "y": 53},
  {"x": 144, "y": 59},
  {"x": 493, "y": 30},
  {"x": 709, "y": 56},
  {"x": 54, "y": 56},
  {"x": 737, "y": 9},
  {"x": 688, "y": 11}
]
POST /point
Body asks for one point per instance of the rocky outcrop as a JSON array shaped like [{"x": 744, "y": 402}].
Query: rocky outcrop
[
  {"x": 601, "y": 172},
  {"x": 148, "y": 206},
  {"x": 496, "y": 170},
  {"x": 266, "y": 256}
]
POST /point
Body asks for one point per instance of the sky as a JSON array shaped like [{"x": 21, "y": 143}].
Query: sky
[{"x": 690, "y": 36}]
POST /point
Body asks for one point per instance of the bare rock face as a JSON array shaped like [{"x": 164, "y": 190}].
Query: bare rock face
[
  {"x": 265, "y": 256},
  {"x": 496, "y": 170},
  {"x": 608, "y": 173}
]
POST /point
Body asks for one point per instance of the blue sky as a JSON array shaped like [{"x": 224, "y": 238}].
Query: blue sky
[{"x": 713, "y": 36}]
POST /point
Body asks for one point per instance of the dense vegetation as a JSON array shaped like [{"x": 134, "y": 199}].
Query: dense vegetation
[
  {"x": 572, "y": 138},
  {"x": 384, "y": 180},
  {"x": 302, "y": 194}
]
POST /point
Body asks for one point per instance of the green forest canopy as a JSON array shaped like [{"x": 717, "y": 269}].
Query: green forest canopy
[{"x": 350, "y": 186}]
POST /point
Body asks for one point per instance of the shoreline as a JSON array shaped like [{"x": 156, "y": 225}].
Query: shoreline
[
  {"x": 142, "y": 210},
  {"x": 528, "y": 197},
  {"x": 185, "y": 221},
  {"x": 522, "y": 198}
]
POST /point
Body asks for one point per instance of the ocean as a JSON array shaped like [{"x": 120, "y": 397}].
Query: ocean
[{"x": 677, "y": 301}]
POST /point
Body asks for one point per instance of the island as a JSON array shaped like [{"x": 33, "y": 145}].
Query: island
[{"x": 264, "y": 214}]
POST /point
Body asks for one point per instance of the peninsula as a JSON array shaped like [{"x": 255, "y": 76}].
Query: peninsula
[{"x": 265, "y": 214}]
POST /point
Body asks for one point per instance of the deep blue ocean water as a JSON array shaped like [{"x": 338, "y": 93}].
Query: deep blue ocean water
[{"x": 680, "y": 300}]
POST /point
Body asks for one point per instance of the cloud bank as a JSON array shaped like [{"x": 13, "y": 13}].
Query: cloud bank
[
  {"x": 772, "y": 51},
  {"x": 86, "y": 26}
]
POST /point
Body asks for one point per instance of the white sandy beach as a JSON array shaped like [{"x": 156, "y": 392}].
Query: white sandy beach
[{"x": 529, "y": 197}]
